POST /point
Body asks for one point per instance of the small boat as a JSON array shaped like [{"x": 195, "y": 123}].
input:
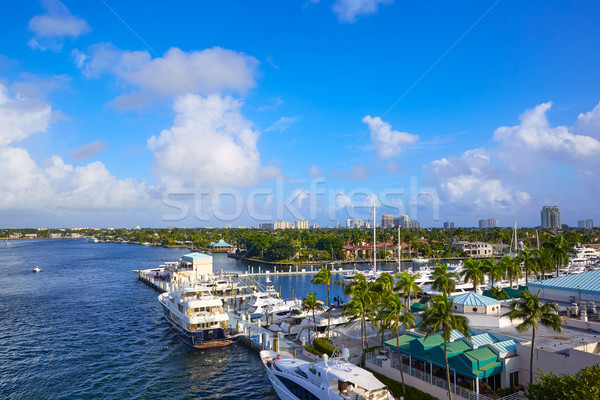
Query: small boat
[
  {"x": 37, "y": 269},
  {"x": 268, "y": 280},
  {"x": 335, "y": 379},
  {"x": 420, "y": 260}
]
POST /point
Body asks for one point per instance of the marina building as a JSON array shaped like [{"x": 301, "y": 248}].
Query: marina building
[
  {"x": 220, "y": 247},
  {"x": 551, "y": 217},
  {"x": 576, "y": 288}
]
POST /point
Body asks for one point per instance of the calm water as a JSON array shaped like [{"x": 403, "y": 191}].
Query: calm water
[{"x": 85, "y": 328}]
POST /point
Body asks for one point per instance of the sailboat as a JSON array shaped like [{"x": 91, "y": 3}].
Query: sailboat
[{"x": 373, "y": 274}]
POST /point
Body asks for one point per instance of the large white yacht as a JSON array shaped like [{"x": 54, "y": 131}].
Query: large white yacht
[
  {"x": 196, "y": 317},
  {"x": 334, "y": 379},
  {"x": 269, "y": 301}
]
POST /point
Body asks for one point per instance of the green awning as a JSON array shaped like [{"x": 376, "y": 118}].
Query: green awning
[{"x": 418, "y": 307}]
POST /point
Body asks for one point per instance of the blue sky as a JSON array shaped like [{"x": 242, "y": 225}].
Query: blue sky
[{"x": 215, "y": 113}]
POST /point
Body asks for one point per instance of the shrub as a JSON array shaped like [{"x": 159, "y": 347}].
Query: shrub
[
  {"x": 396, "y": 388},
  {"x": 324, "y": 346}
]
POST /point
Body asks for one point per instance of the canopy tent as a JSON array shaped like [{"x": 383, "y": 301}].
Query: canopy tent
[{"x": 353, "y": 330}]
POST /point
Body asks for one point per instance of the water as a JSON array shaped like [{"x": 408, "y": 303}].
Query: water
[{"x": 86, "y": 328}]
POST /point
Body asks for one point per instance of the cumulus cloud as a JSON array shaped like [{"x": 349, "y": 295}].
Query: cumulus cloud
[
  {"x": 349, "y": 10},
  {"x": 54, "y": 25},
  {"x": 388, "y": 143},
  {"x": 21, "y": 117},
  {"x": 89, "y": 150},
  {"x": 471, "y": 180},
  {"x": 535, "y": 137},
  {"x": 176, "y": 73},
  {"x": 282, "y": 124},
  {"x": 589, "y": 123},
  {"x": 210, "y": 141}
]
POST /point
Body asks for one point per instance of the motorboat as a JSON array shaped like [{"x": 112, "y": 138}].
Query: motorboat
[
  {"x": 36, "y": 269},
  {"x": 268, "y": 301},
  {"x": 335, "y": 379},
  {"x": 420, "y": 260},
  {"x": 196, "y": 317}
]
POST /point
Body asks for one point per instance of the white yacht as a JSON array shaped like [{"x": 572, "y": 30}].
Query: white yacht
[
  {"x": 334, "y": 379},
  {"x": 269, "y": 301},
  {"x": 37, "y": 269},
  {"x": 196, "y": 317},
  {"x": 420, "y": 260}
]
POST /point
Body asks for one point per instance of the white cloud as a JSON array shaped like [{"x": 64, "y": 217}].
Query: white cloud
[
  {"x": 348, "y": 10},
  {"x": 52, "y": 27},
  {"x": 535, "y": 137},
  {"x": 281, "y": 124},
  {"x": 31, "y": 85},
  {"x": 388, "y": 143},
  {"x": 89, "y": 150},
  {"x": 589, "y": 123},
  {"x": 176, "y": 73},
  {"x": 21, "y": 117},
  {"x": 315, "y": 171},
  {"x": 210, "y": 141}
]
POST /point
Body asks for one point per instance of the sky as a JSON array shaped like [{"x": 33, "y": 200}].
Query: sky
[{"x": 216, "y": 113}]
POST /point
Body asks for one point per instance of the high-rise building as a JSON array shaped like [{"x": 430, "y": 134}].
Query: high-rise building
[
  {"x": 586, "y": 224},
  {"x": 493, "y": 223},
  {"x": 387, "y": 221},
  {"x": 483, "y": 223},
  {"x": 282, "y": 225},
  {"x": 402, "y": 221},
  {"x": 302, "y": 224},
  {"x": 551, "y": 217},
  {"x": 449, "y": 225},
  {"x": 265, "y": 225}
]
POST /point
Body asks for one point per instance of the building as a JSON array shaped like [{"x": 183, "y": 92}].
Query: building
[
  {"x": 357, "y": 223},
  {"x": 402, "y": 221},
  {"x": 266, "y": 225},
  {"x": 282, "y": 225},
  {"x": 483, "y": 223},
  {"x": 220, "y": 247},
  {"x": 570, "y": 288},
  {"x": 413, "y": 225},
  {"x": 449, "y": 225},
  {"x": 387, "y": 221},
  {"x": 315, "y": 226},
  {"x": 492, "y": 223},
  {"x": 474, "y": 249},
  {"x": 551, "y": 217},
  {"x": 586, "y": 224},
  {"x": 302, "y": 224}
]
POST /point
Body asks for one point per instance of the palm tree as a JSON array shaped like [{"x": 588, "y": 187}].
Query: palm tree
[
  {"x": 360, "y": 307},
  {"x": 442, "y": 279},
  {"x": 495, "y": 270},
  {"x": 440, "y": 317},
  {"x": 544, "y": 260},
  {"x": 559, "y": 249},
  {"x": 529, "y": 261},
  {"x": 310, "y": 302},
  {"x": 399, "y": 315},
  {"x": 512, "y": 268},
  {"x": 473, "y": 272},
  {"x": 406, "y": 285},
  {"x": 323, "y": 277},
  {"x": 530, "y": 309},
  {"x": 499, "y": 293}
]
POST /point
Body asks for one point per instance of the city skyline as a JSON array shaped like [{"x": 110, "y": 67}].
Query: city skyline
[{"x": 216, "y": 114}]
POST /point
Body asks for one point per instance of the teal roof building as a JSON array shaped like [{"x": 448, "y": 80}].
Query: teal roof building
[{"x": 570, "y": 288}]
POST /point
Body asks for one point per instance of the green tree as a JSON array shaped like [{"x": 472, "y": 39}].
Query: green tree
[
  {"x": 361, "y": 305},
  {"x": 529, "y": 261},
  {"x": 443, "y": 280},
  {"x": 499, "y": 293},
  {"x": 511, "y": 267},
  {"x": 544, "y": 261},
  {"x": 323, "y": 277},
  {"x": 582, "y": 385},
  {"x": 309, "y": 303},
  {"x": 559, "y": 249},
  {"x": 473, "y": 272},
  {"x": 495, "y": 270},
  {"x": 533, "y": 312},
  {"x": 406, "y": 286},
  {"x": 400, "y": 317},
  {"x": 440, "y": 317}
]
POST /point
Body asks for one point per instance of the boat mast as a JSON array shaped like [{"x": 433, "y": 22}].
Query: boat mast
[
  {"x": 374, "y": 240},
  {"x": 399, "y": 250},
  {"x": 516, "y": 242}
]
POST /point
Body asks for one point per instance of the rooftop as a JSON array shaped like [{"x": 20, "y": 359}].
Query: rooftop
[
  {"x": 474, "y": 299},
  {"x": 197, "y": 256},
  {"x": 587, "y": 282}
]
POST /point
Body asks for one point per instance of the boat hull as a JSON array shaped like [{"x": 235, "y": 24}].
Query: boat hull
[{"x": 201, "y": 340}]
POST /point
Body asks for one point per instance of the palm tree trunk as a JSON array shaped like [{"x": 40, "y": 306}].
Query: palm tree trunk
[
  {"x": 315, "y": 321},
  {"x": 526, "y": 277},
  {"x": 531, "y": 360},
  {"x": 447, "y": 372},
  {"x": 400, "y": 356}
]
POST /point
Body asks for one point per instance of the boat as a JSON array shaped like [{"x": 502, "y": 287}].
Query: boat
[
  {"x": 334, "y": 379},
  {"x": 36, "y": 269},
  {"x": 420, "y": 260},
  {"x": 268, "y": 301},
  {"x": 196, "y": 317}
]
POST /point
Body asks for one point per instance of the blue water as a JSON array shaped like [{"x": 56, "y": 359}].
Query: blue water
[{"x": 86, "y": 328}]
